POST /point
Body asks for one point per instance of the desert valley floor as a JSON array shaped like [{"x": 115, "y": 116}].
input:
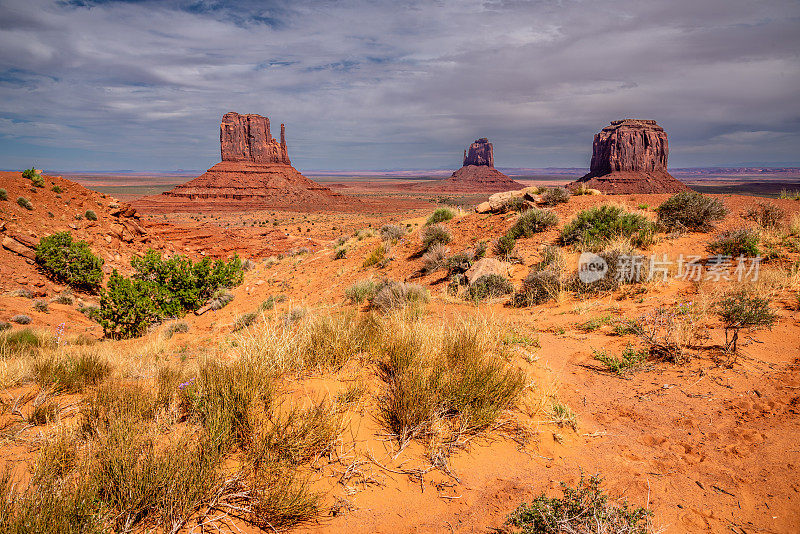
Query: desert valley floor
[{"x": 708, "y": 444}]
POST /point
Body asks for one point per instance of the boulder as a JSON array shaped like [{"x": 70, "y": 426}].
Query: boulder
[
  {"x": 18, "y": 248},
  {"x": 486, "y": 266}
]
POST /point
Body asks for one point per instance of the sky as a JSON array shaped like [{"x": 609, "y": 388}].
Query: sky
[{"x": 142, "y": 85}]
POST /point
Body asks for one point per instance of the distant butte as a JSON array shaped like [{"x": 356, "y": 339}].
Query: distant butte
[
  {"x": 477, "y": 175},
  {"x": 630, "y": 156},
  {"x": 255, "y": 171}
]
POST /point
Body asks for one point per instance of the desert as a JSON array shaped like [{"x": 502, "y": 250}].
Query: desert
[{"x": 423, "y": 302}]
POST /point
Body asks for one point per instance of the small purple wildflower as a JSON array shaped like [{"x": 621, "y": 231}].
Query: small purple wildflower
[
  {"x": 187, "y": 383},
  {"x": 59, "y": 333}
]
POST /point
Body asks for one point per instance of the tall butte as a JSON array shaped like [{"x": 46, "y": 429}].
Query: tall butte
[
  {"x": 255, "y": 169},
  {"x": 630, "y": 156},
  {"x": 477, "y": 173}
]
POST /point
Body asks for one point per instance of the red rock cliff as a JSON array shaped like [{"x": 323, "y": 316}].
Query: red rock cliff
[
  {"x": 248, "y": 138},
  {"x": 630, "y": 145},
  {"x": 480, "y": 153}
]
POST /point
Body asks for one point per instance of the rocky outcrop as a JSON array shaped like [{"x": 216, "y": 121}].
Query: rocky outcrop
[
  {"x": 481, "y": 152},
  {"x": 630, "y": 156},
  {"x": 255, "y": 171},
  {"x": 477, "y": 175},
  {"x": 248, "y": 138}
]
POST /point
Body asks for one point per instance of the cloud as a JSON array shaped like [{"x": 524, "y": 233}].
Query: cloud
[{"x": 394, "y": 84}]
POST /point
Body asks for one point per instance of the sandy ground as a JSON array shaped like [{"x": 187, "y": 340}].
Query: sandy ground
[{"x": 708, "y": 446}]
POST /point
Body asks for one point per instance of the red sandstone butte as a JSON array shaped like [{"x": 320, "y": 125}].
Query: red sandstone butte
[
  {"x": 477, "y": 175},
  {"x": 255, "y": 171},
  {"x": 630, "y": 156}
]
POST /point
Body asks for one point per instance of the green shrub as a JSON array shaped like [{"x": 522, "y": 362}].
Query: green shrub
[
  {"x": 532, "y": 222},
  {"x": 595, "y": 227},
  {"x": 340, "y": 254},
  {"x": 244, "y": 320},
  {"x": 40, "y": 305},
  {"x": 271, "y": 301},
  {"x": 376, "y": 257},
  {"x": 69, "y": 261},
  {"x": 21, "y": 318},
  {"x": 392, "y": 233},
  {"x": 555, "y": 195},
  {"x": 742, "y": 309},
  {"x": 57, "y": 189},
  {"x": 440, "y": 215},
  {"x": 128, "y": 306},
  {"x": 3, "y": 194},
  {"x": 90, "y": 215},
  {"x": 434, "y": 259},
  {"x": 162, "y": 288},
  {"x": 690, "y": 210},
  {"x": 790, "y": 195},
  {"x": 628, "y": 361},
  {"x": 65, "y": 298},
  {"x": 29, "y": 173},
  {"x": 219, "y": 299},
  {"x": 177, "y": 327},
  {"x": 504, "y": 245},
  {"x": 25, "y": 203},
  {"x": 583, "y": 509},
  {"x": 766, "y": 215},
  {"x": 37, "y": 181},
  {"x": 188, "y": 285},
  {"x": 391, "y": 295},
  {"x": 461, "y": 262},
  {"x": 624, "y": 266},
  {"x": 517, "y": 204},
  {"x": 741, "y": 242},
  {"x": 490, "y": 286},
  {"x": 540, "y": 286},
  {"x": 435, "y": 234}
]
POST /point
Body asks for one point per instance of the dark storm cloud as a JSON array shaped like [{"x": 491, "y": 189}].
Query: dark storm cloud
[{"x": 142, "y": 85}]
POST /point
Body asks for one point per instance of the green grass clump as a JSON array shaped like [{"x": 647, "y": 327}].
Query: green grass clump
[
  {"x": 361, "y": 291},
  {"x": 91, "y": 215},
  {"x": 70, "y": 373},
  {"x": 440, "y": 215},
  {"x": 489, "y": 286},
  {"x": 787, "y": 194},
  {"x": 376, "y": 257},
  {"x": 595, "y": 227},
  {"x": 57, "y": 189},
  {"x": 271, "y": 301},
  {"x": 766, "y": 215},
  {"x": 504, "y": 246},
  {"x": 70, "y": 262},
  {"x": 25, "y": 340},
  {"x": 595, "y": 323},
  {"x": 629, "y": 360},
  {"x": 391, "y": 233},
  {"x": 555, "y": 195},
  {"x": 690, "y": 210},
  {"x": 433, "y": 235},
  {"x": 734, "y": 243},
  {"x": 532, "y": 222},
  {"x": 392, "y": 295},
  {"x": 582, "y": 509},
  {"x": 3, "y": 194},
  {"x": 244, "y": 320},
  {"x": 25, "y": 203},
  {"x": 460, "y": 389}
]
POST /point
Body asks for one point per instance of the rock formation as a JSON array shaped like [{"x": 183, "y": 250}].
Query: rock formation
[
  {"x": 481, "y": 152},
  {"x": 255, "y": 170},
  {"x": 477, "y": 175},
  {"x": 630, "y": 156}
]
